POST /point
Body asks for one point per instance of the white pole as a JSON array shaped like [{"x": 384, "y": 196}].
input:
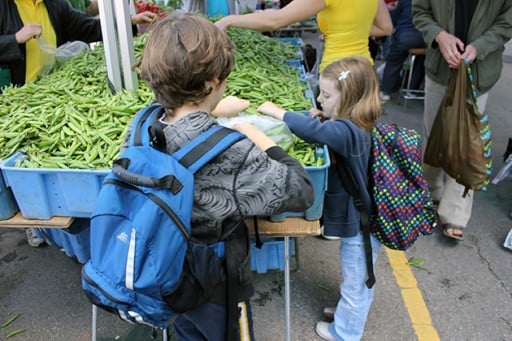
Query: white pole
[
  {"x": 110, "y": 44},
  {"x": 125, "y": 36}
]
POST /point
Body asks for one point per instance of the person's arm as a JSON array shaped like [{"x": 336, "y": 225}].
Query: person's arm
[
  {"x": 92, "y": 8},
  {"x": 382, "y": 25},
  {"x": 295, "y": 11},
  {"x": 230, "y": 106},
  {"x": 9, "y": 43},
  {"x": 262, "y": 141},
  {"x": 423, "y": 20},
  {"x": 494, "y": 38},
  {"x": 434, "y": 34}
]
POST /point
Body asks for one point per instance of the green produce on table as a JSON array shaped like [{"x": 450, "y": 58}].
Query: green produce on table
[
  {"x": 261, "y": 72},
  {"x": 305, "y": 153},
  {"x": 70, "y": 118}
]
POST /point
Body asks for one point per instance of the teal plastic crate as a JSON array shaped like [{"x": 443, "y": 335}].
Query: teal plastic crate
[
  {"x": 44, "y": 192},
  {"x": 318, "y": 175},
  {"x": 271, "y": 254}
]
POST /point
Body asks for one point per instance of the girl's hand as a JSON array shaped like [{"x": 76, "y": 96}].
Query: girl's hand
[
  {"x": 272, "y": 110},
  {"x": 230, "y": 106},
  {"x": 258, "y": 137},
  {"x": 314, "y": 112}
]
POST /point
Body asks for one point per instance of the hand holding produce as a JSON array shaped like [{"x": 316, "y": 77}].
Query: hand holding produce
[
  {"x": 28, "y": 32},
  {"x": 314, "y": 112},
  {"x": 230, "y": 106},
  {"x": 272, "y": 110},
  {"x": 258, "y": 137},
  {"x": 146, "y": 17}
]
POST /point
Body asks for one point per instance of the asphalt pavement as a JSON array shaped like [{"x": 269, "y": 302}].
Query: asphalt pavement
[{"x": 466, "y": 286}]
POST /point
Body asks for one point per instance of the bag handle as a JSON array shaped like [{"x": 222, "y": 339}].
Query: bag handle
[{"x": 120, "y": 169}]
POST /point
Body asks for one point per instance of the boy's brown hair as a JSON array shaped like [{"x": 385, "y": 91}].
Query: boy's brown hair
[
  {"x": 358, "y": 84},
  {"x": 184, "y": 51}
]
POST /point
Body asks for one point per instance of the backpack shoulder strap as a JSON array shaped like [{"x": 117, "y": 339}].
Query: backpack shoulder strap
[
  {"x": 348, "y": 179},
  {"x": 206, "y": 146},
  {"x": 141, "y": 124}
]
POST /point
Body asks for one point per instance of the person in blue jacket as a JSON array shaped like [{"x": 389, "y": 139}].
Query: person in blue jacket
[
  {"x": 349, "y": 95},
  {"x": 405, "y": 37}
]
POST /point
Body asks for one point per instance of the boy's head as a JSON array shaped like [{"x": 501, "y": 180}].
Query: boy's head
[
  {"x": 349, "y": 88},
  {"x": 184, "y": 51}
]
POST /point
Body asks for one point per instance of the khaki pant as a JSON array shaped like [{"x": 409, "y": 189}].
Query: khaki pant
[{"x": 453, "y": 208}]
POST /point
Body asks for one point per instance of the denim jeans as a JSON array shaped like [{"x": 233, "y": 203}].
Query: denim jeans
[
  {"x": 397, "y": 53},
  {"x": 356, "y": 298},
  {"x": 208, "y": 322}
]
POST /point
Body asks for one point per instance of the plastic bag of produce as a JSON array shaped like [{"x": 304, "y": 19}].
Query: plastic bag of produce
[
  {"x": 70, "y": 49},
  {"x": 52, "y": 57},
  {"x": 47, "y": 56},
  {"x": 275, "y": 129}
]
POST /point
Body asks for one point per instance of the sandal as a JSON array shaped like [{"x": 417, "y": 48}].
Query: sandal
[{"x": 454, "y": 232}]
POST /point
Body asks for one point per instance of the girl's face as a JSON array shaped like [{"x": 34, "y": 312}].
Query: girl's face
[{"x": 329, "y": 96}]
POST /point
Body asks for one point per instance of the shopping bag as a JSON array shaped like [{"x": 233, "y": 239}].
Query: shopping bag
[{"x": 460, "y": 138}]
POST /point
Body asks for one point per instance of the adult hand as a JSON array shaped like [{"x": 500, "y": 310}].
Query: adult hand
[
  {"x": 262, "y": 141},
  {"x": 28, "y": 32},
  {"x": 272, "y": 110},
  {"x": 230, "y": 106},
  {"x": 469, "y": 53},
  {"x": 146, "y": 17},
  {"x": 450, "y": 46},
  {"x": 223, "y": 23}
]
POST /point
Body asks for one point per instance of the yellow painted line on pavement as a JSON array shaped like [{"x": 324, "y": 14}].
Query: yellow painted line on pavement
[{"x": 411, "y": 294}]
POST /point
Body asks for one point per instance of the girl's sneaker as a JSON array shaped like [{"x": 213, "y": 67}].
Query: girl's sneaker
[{"x": 32, "y": 238}]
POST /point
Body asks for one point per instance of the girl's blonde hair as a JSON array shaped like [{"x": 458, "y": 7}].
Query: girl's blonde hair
[{"x": 358, "y": 85}]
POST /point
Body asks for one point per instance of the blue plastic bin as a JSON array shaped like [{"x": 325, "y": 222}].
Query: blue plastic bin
[
  {"x": 271, "y": 254},
  {"x": 75, "y": 240},
  {"x": 318, "y": 175},
  {"x": 43, "y": 192},
  {"x": 8, "y": 206},
  {"x": 298, "y": 43}
]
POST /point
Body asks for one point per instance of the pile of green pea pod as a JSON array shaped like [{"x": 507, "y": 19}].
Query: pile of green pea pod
[{"x": 69, "y": 119}]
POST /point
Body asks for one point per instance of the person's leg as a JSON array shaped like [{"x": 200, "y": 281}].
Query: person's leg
[
  {"x": 395, "y": 58},
  {"x": 207, "y": 322},
  {"x": 398, "y": 52},
  {"x": 455, "y": 209},
  {"x": 356, "y": 299},
  {"x": 434, "y": 94}
]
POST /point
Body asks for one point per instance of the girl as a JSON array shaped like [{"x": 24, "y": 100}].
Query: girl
[{"x": 349, "y": 95}]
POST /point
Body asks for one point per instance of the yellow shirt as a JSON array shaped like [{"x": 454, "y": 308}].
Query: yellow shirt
[
  {"x": 346, "y": 25},
  {"x": 35, "y": 12}
]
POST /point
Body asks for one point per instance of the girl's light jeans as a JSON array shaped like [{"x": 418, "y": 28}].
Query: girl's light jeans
[{"x": 356, "y": 298}]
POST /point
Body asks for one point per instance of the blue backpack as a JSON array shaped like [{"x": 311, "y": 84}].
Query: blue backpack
[{"x": 140, "y": 228}]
